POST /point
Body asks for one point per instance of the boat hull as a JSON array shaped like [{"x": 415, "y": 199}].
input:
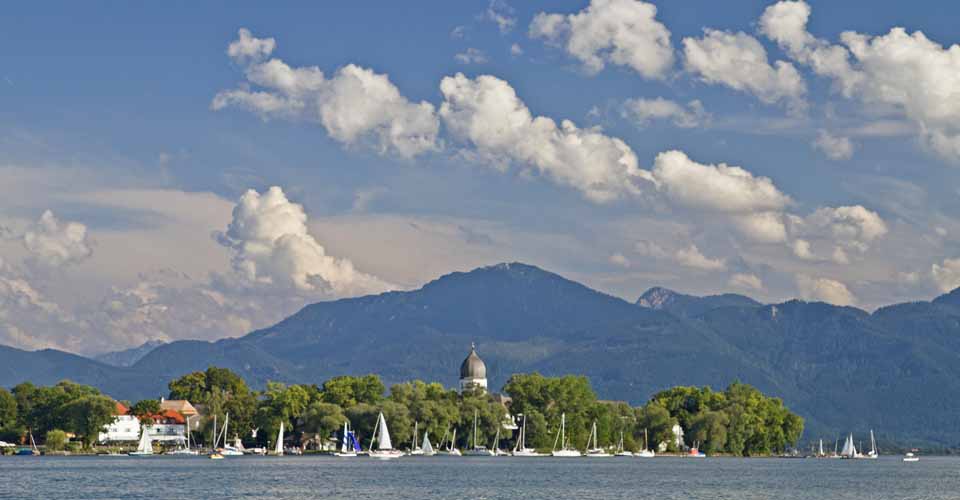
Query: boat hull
[
  {"x": 566, "y": 454},
  {"x": 385, "y": 454}
]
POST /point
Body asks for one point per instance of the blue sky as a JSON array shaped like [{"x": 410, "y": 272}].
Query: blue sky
[{"x": 846, "y": 189}]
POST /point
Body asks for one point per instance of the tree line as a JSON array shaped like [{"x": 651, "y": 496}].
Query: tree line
[{"x": 738, "y": 421}]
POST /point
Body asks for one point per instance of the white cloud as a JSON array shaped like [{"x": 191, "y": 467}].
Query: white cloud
[
  {"x": 620, "y": 32},
  {"x": 739, "y": 61},
  {"x": 486, "y": 113},
  {"x": 853, "y": 227},
  {"x": 516, "y": 50},
  {"x": 824, "y": 290},
  {"x": 834, "y": 146},
  {"x": 693, "y": 258},
  {"x": 618, "y": 259},
  {"x": 355, "y": 105},
  {"x": 721, "y": 187},
  {"x": 501, "y": 13},
  {"x": 246, "y": 48},
  {"x": 946, "y": 274},
  {"x": 644, "y": 111},
  {"x": 471, "y": 56},
  {"x": 762, "y": 227},
  {"x": 53, "y": 243},
  {"x": 801, "y": 248},
  {"x": 650, "y": 249},
  {"x": 272, "y": 248},
  {"x": 908, "y": 72},
  {"x": 745, "y": 281}
]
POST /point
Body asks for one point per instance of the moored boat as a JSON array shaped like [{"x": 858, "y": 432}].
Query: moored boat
[
  {"x": 564, "y": 450},
  {"x": 593, "y": 445},
  {"x": 384, "y": 447}
]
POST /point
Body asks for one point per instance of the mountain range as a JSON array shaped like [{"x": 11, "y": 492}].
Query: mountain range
[{"x": 843, "y": 369}]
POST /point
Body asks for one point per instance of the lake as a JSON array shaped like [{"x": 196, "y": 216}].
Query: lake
[{"x": 306, "y": 477}]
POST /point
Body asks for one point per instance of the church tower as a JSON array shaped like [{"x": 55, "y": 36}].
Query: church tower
[{"x": 473, "y": 372}]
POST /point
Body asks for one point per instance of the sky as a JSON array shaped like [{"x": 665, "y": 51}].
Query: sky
[{"x": 199, "y": 170}]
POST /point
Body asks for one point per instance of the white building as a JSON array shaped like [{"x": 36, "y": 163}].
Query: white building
[
  {"x": 123, "y": 428},
  {"x": 473, "y": 371}
]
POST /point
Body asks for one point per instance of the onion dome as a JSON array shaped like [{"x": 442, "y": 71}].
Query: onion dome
[{"x": 473, "y": 367}]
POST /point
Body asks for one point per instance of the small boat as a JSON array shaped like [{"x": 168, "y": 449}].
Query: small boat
[
  {"x": 452, "y": 450},
  {"x": 415, "y": 449},
  {"x": 564, "y": 451},
  {"x": 349, "y": 447},
  {"x": 646, "y": 452},
  {"x": 520, "y": 449},
  {"x": 593, "y": 446},
  {"x": 872, "y": 454},
  {"x": 32, "y": 451},
  {"x": 695, "y": 452},
  {"x": 478, "y": 450},
  {"x": 381, "y": 436},
  {"x": 849, "y": 449},
  {"x": 278, "y": 447},
  {"x": 426, "y": 448},
  {"x": 216, "y": 456},
  {"x": 497, "y": 452},
  {"x": 145, "y": 447},
  {"x": 621, "y": 452},
  {"x": 910, "y": 457}
]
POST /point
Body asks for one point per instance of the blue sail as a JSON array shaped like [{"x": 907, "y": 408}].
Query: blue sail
[{"x": 353, "y": 439}]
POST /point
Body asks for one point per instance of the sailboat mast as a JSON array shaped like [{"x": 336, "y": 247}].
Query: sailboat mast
[{"x": 216, "y": 431}]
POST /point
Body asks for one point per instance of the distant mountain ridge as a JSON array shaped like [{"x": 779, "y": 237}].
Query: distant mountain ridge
[
  {"x": 841, "y": 368},
  {"x": 128, "y": 357}
]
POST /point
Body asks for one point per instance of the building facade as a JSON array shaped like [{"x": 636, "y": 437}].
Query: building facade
[
  {"x": 124, "y": 427},
  {"x": 473, "y": 372}
]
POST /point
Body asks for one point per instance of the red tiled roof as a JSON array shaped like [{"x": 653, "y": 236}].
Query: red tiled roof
[
  {"x": 121, "y": 410},
  {"x": 168, "y": 416}
]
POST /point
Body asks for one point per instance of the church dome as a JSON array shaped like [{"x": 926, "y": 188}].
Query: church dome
[{"x": 473, "y": 367}]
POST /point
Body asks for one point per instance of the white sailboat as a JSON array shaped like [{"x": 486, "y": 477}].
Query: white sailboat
[
  {"x": 561, "y": 439},
  {"x": 646, "y": 452},
  {"x": 426, "y": 448},
  {"x": 521, "y": 450},
  {"x": 349, "y": 447},
  {"x": 477, "y": 450},
  {"x": 593, "y": 446},
  {"x": 415, "y": 449},
  {"x": 145, "y": 447},
  {"x": 911, "y": 457},
  {"x": 451, "y": 449},
  {"x": 872, "y": 454},
  {"x": 849, "y": 449},
  {"x": 497, "y": 452},
  {"x": 184, "y": 449},
  {"x": 278, "y": 447},
  {"x": 381, "y": 436},
  {"x": 621, "y": 451},
  {"x": 235, "y": 450}
]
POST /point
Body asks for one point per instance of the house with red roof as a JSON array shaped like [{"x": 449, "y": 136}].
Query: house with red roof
[{"x": 125, "y": 427}]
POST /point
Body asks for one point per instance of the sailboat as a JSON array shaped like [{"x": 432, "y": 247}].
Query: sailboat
[
  {"x": 521, "y": 450},
  {"x": 32, "y": 451},
  {"x": 451, "y": 450},
  {"x": 849, "y": 449},
  {"x": 235, "y": 450},
  {"x": 820, "y": 453},
  {"x": 561, "y": 439},
  {"x": 593, "y": 446},
  {"x": 145, "y": 447},
  {"x": 497, "y": 452},
  {"x": 646, "y": 452},
  {"x": 349, "y": 446},
  {"x": 426, "y": 447},
  {"x": 278, "y": 447},
  {"x": 381, "y": 435},
  {"x": 477, "y": 450},
  {"x": 184, "y": 449},
  {"x": 872, "y": 454},
  {"x": 415, "y": 449},
  {"x": 621, "y": 451}
]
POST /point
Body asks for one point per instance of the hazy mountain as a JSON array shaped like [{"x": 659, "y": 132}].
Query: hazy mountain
[
  {"x": 128, "y": 357},
  {"x": 840, "y": 367}
]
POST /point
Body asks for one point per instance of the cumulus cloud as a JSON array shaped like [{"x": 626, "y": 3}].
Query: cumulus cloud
[
  {"x": 745, "y": 281},
  {"x": 834, "y": 146},
  {"x": 354, "y": 105},
  {"x": 486, "y": 113},
  {"x": 502, "y": 14},
  {"x": 30, "y": 320},
  {"x": 692, "y": 257},
  {"x": 620, "y": 32},
  {"x": 721, "y": 187},
  {"x": 905, "y": 71},
  {"x": 54, "y": 243},
  {"x": 471, "y": 56},
  {"x": 516, "y": 50},
  {"x": 650, "y": 249},
  {"x": 946, "y": 274},
  {"x": 644, "y": 111},
  {"x": 272, "y": 248},
  {"x": 824, "y": 290},
  {"x": 739, "y": 61},
  {"x": 618, "y": 259}
]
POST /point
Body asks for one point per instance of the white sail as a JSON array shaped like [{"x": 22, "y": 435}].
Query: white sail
[
  {"x": 849, "y": 450},
  {"x": 278, "y": 449},
  {"x": 345, "y": 441},
  {"x": 426, "y": 446},
  {"x": 146, "y": 444},
  {"x": 384, "y": 442}
]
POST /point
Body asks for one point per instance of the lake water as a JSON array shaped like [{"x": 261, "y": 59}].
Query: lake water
[{"x": 307, "y": 477}]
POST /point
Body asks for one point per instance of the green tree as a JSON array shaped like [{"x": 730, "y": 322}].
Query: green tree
[
  {"x": 658, "y": 423},
  {"x": 324, "y": 418},
  {"x": 347, "y": 391},
  {"x": 8, "y": 410},
  {"x": 88, "y": 415},
  {"x": 145, "y": 407},
  {"x": 709, "y": 428},
  {"x": 191, "y": 387},
  {"x": 56, "y": 440}
]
